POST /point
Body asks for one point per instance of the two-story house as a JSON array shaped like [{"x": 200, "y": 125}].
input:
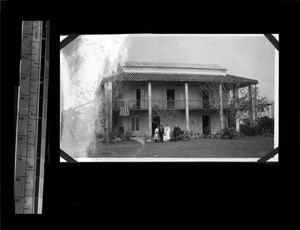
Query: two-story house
[{"x": 169, "y": 93}]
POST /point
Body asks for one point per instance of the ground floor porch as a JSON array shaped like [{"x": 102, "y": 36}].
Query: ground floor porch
[{"x": 138, "y": 122}]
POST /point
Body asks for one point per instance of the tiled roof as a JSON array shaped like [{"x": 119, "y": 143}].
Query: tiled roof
[
  {"x": 237, "y": 78},
  {"x": 138, "y": 76},
  {"x": 173, "y": 65}
]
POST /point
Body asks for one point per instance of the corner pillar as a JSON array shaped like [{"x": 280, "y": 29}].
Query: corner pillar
[
  {"x": 221, "y": 107},
  {"x": 187, "y": 116},
  {"x": 149, "y": 109}
]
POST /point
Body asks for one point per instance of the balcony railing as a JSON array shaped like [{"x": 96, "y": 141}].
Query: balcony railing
[{"x": 168, "y": 104}]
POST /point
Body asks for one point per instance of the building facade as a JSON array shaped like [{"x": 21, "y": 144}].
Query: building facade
[{"x": 168, "y": 93}]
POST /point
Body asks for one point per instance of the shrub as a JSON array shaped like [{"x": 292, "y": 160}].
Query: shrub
[
  {"x": 206, "y": 130},
  {"x": 98, "y": 135},
  {"x": 111, "y": 137},
  {"x": 228, "y": 132},
  {"x": 128, "y": 135},
  {"x": 147, "y": 137},
  {"x": 265, "y": 126},
  {"x": 247, "y": 130}
]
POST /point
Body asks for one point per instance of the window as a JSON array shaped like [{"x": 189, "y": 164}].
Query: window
[{"x": 135, "y": 124}]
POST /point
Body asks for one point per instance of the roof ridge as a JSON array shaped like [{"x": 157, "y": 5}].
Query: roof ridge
[{"x": 172, "y": 65}]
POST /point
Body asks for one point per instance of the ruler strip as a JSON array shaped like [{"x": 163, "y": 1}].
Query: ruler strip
[{"x": 30, "y": 119}]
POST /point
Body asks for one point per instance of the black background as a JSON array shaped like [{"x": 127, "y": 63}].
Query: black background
[{"x": 152, "y": 191}]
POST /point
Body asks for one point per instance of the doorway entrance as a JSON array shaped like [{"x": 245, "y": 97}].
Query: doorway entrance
[
  {"x": 155, "y": 123},
  {"x": 206, "y": 124}
]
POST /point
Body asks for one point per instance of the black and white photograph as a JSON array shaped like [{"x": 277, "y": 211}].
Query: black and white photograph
[
  {"x": 169, "y": 97},
  {"x": 147, "y": 112}
]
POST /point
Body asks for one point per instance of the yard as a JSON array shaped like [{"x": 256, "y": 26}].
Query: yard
[{"x": 245, "y": 147}]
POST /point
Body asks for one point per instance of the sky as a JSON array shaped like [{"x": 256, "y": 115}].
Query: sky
[{"x": 244, "y": 56}]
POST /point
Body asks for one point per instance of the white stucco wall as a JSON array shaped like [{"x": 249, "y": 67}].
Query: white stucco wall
[
  {"x": 159, "y": 92},
  {"x": 195, "y": 122}
]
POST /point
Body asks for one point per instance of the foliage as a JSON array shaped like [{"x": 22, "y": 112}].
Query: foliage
[
  {"x": 247, "y": 130},
  {"x": 206, "y": 130},
  {"x": 98, "y": 135},
  {"x": 264, "y": 126},
  {"x": 228, "y": 133},
  {"x": 147, "y": 137},
  {"x": 163, "y": 112},
  {"x": 235, "y": 99},
  {"x": 128, "y": 135}
]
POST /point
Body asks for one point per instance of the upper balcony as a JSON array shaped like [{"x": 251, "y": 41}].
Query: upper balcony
[{"x": 168, "y": 104}]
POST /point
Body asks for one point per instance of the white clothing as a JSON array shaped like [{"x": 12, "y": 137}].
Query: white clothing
[{"x": 167, "y": 133}]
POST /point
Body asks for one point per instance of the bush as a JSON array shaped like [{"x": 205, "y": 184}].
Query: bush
[
  {"x": 206, "y": 131},
  {"x": 228, "y": 132},
  {"x": 147, "y": 137},
  {"x": 247, "y": 130},
  {"x": 265, "y": 126},
  {"x": 128, "y": 135},
  {"x": 98, "y": 135},
  {"x": 111, "y": 137}
]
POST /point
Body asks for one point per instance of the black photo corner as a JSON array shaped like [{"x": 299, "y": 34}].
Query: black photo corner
[{"x": 82, "y": 188}]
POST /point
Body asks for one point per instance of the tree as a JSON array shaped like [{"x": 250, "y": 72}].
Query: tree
[
  {"x": 107, "y": 95},
  {"x": 235, "y": 99},
  {"x": 165, "y": 109}
]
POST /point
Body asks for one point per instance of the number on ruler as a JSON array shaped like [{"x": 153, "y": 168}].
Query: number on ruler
[
  {"x": 24, "y": 57},
  {"x": 20, "y": 138},
  {"x": 21, "y": 118},
  {"x": 23, "y": 77},
  {"x": 18, "y": 179},
  {"x": 30, "y": 166}
]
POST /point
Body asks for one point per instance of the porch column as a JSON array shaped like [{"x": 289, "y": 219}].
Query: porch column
[
  {"x": 251, "y": 105},
  {"x": 149, "y": 109},
  {"x": 187, "y": 116},
  {"x": 221, "y": 107},
  {"x": 235, "y": 99}
]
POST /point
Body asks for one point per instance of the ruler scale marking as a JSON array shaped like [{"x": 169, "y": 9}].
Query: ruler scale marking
[{"x": 28, "y": 152}]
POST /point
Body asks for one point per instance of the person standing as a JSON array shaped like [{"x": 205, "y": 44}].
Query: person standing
[
  {"x": 167, "y": 133},
  {"x": 156, "y": 138},
  {"x": 161, "y": 133},
  {"x": 175, "y": 132}
]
